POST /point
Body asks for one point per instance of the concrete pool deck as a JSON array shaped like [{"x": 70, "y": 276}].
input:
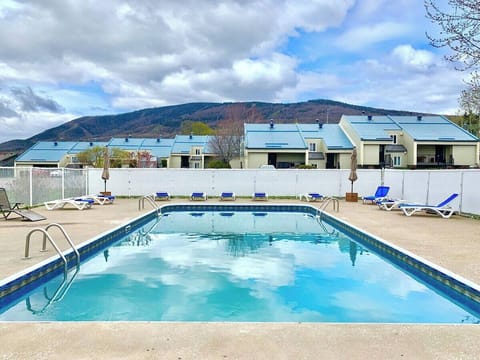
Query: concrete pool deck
[{"x": 450, "y": 243}]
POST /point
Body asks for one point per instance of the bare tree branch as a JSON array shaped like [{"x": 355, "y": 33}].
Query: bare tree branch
[{"x": 460, "y": 30}]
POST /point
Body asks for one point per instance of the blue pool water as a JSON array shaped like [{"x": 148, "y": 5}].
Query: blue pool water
[{"x": 237, "y": 266}]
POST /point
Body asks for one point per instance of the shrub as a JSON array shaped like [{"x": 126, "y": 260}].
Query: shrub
[{"x": 218, "y": 164}]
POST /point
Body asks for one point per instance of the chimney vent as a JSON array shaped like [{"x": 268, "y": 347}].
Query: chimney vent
[
  {"x": 271, "y": 123},
  {"x": 369, "y": 117},
  {"x": 419, "y": 117},
  {"x": 191, "y": 136},
  {"x": 55, "y": 143}
]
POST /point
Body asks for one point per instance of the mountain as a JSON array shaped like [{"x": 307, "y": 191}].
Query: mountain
[{"x": 166, "y": 121}]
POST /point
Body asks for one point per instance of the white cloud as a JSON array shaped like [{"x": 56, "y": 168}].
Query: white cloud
[
  {"x": 407, "y": 55},
  {"x": 140, "y": 54},
  {"x": 359, "y": 38}
]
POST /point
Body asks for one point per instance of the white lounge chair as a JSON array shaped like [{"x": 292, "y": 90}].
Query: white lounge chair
[
  {"x": 311, "y": 197},
  {"x": 78, "y": 203},
  {"x": 391, "y": 204},
  {"x": 99, "y": 199},
  {"x": 442, "y": 209}
]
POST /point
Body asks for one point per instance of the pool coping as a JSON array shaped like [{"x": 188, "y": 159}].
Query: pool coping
[{"x": 458, "y": 289}]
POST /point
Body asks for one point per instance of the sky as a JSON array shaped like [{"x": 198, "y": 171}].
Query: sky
[{"x": 63, "y": 59}]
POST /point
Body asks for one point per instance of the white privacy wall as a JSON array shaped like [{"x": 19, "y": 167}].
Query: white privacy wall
[{"x": 421, "y": 186}]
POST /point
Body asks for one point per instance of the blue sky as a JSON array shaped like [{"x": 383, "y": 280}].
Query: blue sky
[{"x": 62, "y": 59}]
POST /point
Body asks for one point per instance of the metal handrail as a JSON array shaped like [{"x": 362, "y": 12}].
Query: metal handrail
[
  {"x": 334, "y": 201},
  {"x": 46, "y": 236},
  {"x": 77, "y": 254},
  {"x": 141, "y": 202}
]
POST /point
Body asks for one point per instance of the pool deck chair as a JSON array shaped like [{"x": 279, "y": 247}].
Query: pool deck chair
[
  {"x": 260, "y": 196},
  {"x": 78, "y": 203},
  {"x": 311, "y": 197},
  {"x": 99, "y": 199},
  {"x": 442, "y": 209},
  {"x": 380, "y": 194},
  {"x": 198, "y": 196},
  {"x": 228, "y": 196},
  {"x": 161, "y": 195},
  {"x": 390, "y": 204},
  {"x": 6, "y": 209}
]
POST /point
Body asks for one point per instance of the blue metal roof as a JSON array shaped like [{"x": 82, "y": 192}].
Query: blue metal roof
[
  {"x": 85, "y": 145},
  {"x": 373, "y": 127},
  {"x": 280, "y": 136},
  {"x": 54, "y": 151},
  {"x": 125, "y": 143},
  {"x": 158, "y": 147},
  {"x": 42, "y": 155},
  {"x": 433, "y": 128},
  {"x": 183, "y": 143},
  {"x": 54, "y": 145},
  {"x": 332, "y": 135}
]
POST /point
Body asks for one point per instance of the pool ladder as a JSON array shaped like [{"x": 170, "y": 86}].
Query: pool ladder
[
  {"x": 64, "y": 285},
  {"x": 321, "y": 210},
  {"x": 328, "y": 201},
  {"x": 46, "y": 235},
  {"x": 151, "y": 200}
]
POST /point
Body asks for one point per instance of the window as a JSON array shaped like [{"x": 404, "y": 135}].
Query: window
[
  {"x": 197, "y": 151},
  {"x": 196, "y": 165},
  {"x": 312, "y": 147},
  {"x": 394, "y": 138},
  {"x": 397, "y": 161}
]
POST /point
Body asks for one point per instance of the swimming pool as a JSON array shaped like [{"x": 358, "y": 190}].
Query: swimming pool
[{"x": 262, "y": 263}]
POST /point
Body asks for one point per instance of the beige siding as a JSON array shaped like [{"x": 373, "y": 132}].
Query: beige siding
[
  {"x": 255, "y": 160},
  {"x": 235, "y": 163},
  {"x": 344, "y": 160},
  {"x": 411, "y": 157},
  {"x": 370, "y": 154},
  {"x": 174, "y": 162},
  {"x": 465, "y": 154}
]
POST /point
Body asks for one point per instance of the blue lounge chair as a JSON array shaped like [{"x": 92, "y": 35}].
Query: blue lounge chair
[
  {"x": 442, "y": 209},
  {"x": 380, "y": 195},
  {"x": 260, "y": 196},
  {"x": 311, "y": 197},
  {"x": 198, "y": 196},
  {"x": 161, "y": 195},
  {"x": 228, "y": 196}
]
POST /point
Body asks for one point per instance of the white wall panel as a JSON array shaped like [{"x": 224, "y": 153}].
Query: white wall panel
[
  {"x": 422, "y": 186},
  {"x": 470, "y": 192}
]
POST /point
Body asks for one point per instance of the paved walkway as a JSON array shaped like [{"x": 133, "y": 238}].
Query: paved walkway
[{"x": 451, "y": 243}]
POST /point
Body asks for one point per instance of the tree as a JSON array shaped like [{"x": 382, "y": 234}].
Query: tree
[
  {"x": 460, "y": 30},
  {"x": 195, "y": 128},
  {"x": 118, "y": 157},
  {"x": 470, "y": 104},
  {"x": 228, "y": 138},
  {"x": 91, "y": 157}
]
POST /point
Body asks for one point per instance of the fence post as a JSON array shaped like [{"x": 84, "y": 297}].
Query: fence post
[{"x": 31, "y": 186}]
